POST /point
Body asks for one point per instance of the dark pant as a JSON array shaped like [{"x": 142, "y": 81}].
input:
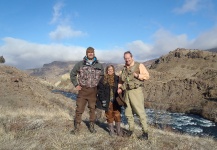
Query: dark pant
[
  {"x": 113, "y": 113},
  {"x": 86, "y": 95}
]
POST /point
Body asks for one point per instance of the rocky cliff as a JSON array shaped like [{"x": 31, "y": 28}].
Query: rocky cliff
[{"x": 184, "y": 81}]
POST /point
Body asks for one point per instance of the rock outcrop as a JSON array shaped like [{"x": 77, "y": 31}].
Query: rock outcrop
[{"x": 184, "y": 81}]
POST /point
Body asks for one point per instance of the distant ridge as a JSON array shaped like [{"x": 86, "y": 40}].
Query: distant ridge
[{"x": 212, "y": 50}]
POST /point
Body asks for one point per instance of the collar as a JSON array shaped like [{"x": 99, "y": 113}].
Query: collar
[
  {"x": 89, "y": 62},
  {"x": 130, "y": 64}
]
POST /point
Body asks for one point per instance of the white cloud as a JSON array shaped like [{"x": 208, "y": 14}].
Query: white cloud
[
  {"x": 56, "y": 12},
  {"x": 114, "y": 55},
  {"x": 24, "y": 55},
  {"x": 165, "y": 41},
  {"x": 63, "y": 32},
  {"x": 189, "y": 6},
  {"x": 63, "y": 29},
  {"x": 206, "y": 40},
  {"x": 140, "y": 50}
]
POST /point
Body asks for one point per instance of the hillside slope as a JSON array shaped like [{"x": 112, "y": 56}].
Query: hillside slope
[{"x": 32, "y": 117}]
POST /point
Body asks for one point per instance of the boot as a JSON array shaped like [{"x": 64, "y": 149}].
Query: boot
[
  {"x": 144, "y": 136},
  {"x": 77, "y": 127},
  {"x": 91, "y": 128},
  {"x": 111, "y": 129},
  {"x": 130, "y": 132},
  {"x": 118, "y": 128}
]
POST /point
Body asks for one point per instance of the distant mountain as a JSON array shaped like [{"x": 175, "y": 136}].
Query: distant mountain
[
  {"x": 212, "y": 50},
  {"x": 53, "y": 71}
]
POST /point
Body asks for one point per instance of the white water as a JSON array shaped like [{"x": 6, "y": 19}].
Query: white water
[{"x": 186, "y": 123}]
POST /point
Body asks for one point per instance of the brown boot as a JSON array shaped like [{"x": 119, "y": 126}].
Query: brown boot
[
  {"x": 111, "y": 129},
  {"x": 91, "y": 127},
  {"x": 118, "y": 128},
  {"x": 77, "y": 127}
]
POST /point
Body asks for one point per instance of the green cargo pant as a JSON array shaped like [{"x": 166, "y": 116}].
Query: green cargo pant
[{"x": 135, "y": 103}]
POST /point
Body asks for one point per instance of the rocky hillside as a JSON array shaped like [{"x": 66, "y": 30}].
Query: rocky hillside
[
  {"x": 22, "y": 92},
  {"x": 52, "y": 72},
  {"x": 32, "y": 117},
  {"x": 184, "y": 81}
]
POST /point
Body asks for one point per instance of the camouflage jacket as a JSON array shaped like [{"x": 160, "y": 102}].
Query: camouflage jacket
[{"x": 86, "y": 74}]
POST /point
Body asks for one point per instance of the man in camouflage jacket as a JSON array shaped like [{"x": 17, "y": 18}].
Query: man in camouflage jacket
[{"x": 85, "y": 77}]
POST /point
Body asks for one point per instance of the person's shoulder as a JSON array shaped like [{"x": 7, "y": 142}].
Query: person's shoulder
[
  {"x": 139, "y": 63},
  {"x": 102, "y": 79},
  {"x": 99, "y": 64},
  {"x": 80, "y": 62},
  {"x": 116, "y": 76}
]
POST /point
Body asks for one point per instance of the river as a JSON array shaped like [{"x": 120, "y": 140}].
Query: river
[{"x": 185, "y": 123}]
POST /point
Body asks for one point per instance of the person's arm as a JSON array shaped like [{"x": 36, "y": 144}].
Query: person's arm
[
  {"x": 73, "y": 75},
  {"x": 120, "y": 83},
  {"x": 144, "y": 74},
  {"x": 102, "y": 70},
  {"x": 101, "y": 92}
]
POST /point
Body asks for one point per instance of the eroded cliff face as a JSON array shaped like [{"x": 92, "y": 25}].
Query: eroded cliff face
[{"x": 184, "y": 81}]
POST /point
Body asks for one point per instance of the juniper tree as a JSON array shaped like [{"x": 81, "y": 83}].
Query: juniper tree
[{"x": 2, "y": 60}]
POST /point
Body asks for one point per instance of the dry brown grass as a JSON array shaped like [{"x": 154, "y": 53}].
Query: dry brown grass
[
  {"x": 38, "y": 129},
  {"x": 33, "y": 118}
]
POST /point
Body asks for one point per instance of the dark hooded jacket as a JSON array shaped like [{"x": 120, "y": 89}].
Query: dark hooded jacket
[{"x": 104, "y": 93}]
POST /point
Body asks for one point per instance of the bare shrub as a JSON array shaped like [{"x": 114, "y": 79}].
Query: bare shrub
[{"x": 2, "y": 60}]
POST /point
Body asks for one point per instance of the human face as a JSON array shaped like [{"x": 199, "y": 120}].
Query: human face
[
  {"x": 90, "y": 56},
  {"x": 110, "y": 71},
  {"x": 128, "y": 59}
]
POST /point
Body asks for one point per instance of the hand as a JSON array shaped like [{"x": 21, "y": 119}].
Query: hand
[
  {"x": 136, "y": 75},
  {"x": 119, "y": 91},
  {"x": 104, "y": 103},
  {"x": 78, "y": 87}
]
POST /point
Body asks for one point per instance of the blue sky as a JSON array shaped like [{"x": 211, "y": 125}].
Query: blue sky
[{"x": 35, "y": 32}]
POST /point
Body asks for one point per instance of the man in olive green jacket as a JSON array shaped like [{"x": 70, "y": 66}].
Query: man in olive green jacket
[{"x": 131, "y": 83}]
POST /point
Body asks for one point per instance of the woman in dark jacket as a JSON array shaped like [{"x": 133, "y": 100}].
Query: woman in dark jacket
[{"x": 107, "y": 94}]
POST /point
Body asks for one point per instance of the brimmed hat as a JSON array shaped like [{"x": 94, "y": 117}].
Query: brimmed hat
[
  {"x": 120, "y": 100},
  {"x": 90, "y": 50}
]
